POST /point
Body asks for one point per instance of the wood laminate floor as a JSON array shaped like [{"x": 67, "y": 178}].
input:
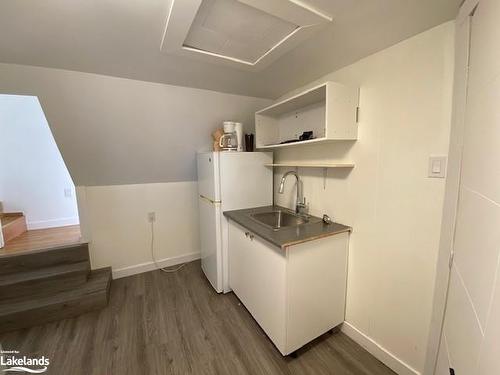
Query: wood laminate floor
[
  {"x": 158, "y": 323},
  {"x": 33, "y": 240}
]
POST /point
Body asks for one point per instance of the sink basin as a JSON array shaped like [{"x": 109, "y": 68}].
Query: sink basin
[{"x": 279, "y": 219}]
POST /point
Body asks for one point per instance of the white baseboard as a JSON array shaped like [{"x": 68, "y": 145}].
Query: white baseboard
[
  {"x": 378, "y": 351},
  {"x": 150, "y": 266},
  {"x": 52, "y": 223}
]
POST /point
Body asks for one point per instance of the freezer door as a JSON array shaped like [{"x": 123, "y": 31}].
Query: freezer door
[
  {"x": 210, "y": 238},
  {"x": 245, "y": 180},
  {"x": 208, "y": 175}
]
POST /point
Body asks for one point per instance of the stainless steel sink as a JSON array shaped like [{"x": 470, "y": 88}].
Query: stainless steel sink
[{"x": 279, "y": 219}]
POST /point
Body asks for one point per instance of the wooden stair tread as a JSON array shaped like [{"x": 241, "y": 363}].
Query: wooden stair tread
[
  {"x": 13, "y": 225},
  {"x": 43, "y": 240},
  {"x": 8, "y": 220},
  {"x": 43, "y": 273},
  {"x": 7, "y": 214},
  {"x": 11, "y": 263},
  {"x": 98, "y": 282},
  {"x": 16, "y": 213},
  {"x": 6, "y": 253},
  {"x": 62, "y": 247}
]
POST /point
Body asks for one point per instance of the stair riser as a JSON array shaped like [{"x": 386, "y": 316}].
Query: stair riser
[
  {"x": 14, "y": 229},
  {"x": 43, "y": 287},
  {"x": 69, "y": 309},
  {"x": 92, "y": 295},
  {"x": 37, "y": 260}
]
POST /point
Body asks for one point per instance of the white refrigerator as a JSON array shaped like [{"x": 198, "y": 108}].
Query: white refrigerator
[{"x": 228, "y": 181}]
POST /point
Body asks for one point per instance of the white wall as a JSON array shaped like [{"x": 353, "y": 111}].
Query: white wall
[
  {"x": 130, "y": 147},
  {"x": 33, "y": 177},
  {"x": 114, "y": 131},
  {"x": 117, "y": 225},
  {"x": 395, "y": 210}
]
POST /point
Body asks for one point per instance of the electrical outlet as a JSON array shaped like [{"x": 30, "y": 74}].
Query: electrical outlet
[
  {"x": 151, "y": 217},
  {"x": 68, "y": 192}
]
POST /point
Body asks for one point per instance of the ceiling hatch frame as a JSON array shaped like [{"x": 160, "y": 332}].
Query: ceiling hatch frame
[{"x": 182, "y": 14}]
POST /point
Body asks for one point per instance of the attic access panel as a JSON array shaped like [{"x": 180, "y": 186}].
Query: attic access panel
[
  {"x": 236, "y": 30},
  {"x": 244, "y": 33}
]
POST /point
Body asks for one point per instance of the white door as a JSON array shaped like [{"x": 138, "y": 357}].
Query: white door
[
  {"x": 470, "y": 343},
  {"x": 210, "y": 241}
]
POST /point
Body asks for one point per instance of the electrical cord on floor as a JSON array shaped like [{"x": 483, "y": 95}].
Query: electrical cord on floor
[{"x": 164, "y": 269}]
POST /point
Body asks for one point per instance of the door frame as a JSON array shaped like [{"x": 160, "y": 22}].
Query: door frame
[{"x": 450, "y": 207}]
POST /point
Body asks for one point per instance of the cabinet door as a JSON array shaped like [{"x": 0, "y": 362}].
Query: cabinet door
[
  {"x": 341, "y": 111},
  {"x": 317, "y": 272},
  {"x": 257, "y": 275}
]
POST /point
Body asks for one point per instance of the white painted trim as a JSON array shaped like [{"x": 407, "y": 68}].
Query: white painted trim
[
  {"x": 150, "y": 266},
  {"x": 378, "y": 351},
  {"x": 448, "y": 224},
  {"x": 293, "y": 11},
  {"x": 81, "y": 201},
  {"x": 2, "y": 243},
  {"x": 278, "y": 45},
  {"x": 52, "y": 223},
  {"x": 466, "y": 10},
  {"x": 181, "y": 15}
]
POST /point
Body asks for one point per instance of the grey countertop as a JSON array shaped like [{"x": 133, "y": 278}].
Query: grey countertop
[{"x": 287, "y": 236}]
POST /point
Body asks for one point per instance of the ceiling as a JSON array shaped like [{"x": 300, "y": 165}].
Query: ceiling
[
  {"x": 122, "y": 38},
  {"x": 246, "y": 36}
]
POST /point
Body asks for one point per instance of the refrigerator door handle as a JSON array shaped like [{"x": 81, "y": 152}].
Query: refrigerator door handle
[{"x": 209, "y": 200}]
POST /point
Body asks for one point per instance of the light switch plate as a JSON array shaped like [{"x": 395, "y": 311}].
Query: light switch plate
[{"x": 437, "y": 166}]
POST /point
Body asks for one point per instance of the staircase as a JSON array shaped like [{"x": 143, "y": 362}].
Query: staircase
[
  {"x": 13, "y": 225},
  {"x": 45, "y": 285}
]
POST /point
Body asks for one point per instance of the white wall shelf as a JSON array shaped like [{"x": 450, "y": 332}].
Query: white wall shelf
[
  {"x": 324, "y": 166},
  {"x": 312, "y": 165},
  {"x": 309, "y": 141},
  {"x": 329, "y": 110}
]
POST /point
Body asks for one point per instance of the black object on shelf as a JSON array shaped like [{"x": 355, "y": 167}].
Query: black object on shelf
[
  {"x": 306, "y": 136},
  {"x": 289, "y": 141},
  {"x": 249, "y": 142}
]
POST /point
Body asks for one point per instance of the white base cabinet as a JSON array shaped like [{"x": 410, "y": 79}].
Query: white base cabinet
[{"x": 295, "y": 294}]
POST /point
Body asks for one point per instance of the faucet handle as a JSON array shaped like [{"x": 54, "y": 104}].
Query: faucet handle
[
  {"x": 302, "y": 207},
  {"x": 327, "y": 219}
]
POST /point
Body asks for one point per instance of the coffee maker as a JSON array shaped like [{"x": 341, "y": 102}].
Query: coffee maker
[{"x": 229, "y": 140}]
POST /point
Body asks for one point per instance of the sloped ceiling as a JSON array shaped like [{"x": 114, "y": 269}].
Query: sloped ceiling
[
  {"x": 122, "y": 38},
  {"x": 234, "y": 29}
]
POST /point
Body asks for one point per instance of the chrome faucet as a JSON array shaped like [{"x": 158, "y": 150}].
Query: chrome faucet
[{"x": 300, "y": 202}]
